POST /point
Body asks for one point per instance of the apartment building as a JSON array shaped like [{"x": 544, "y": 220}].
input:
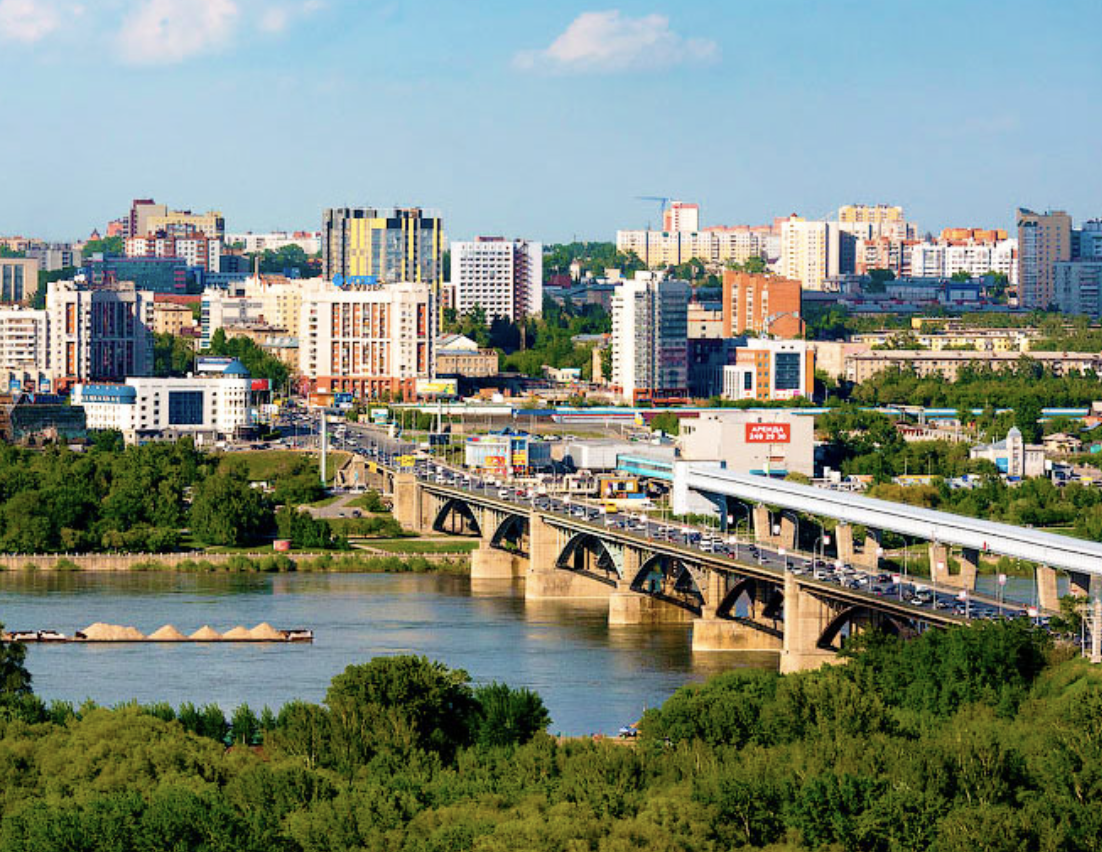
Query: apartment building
[
  {"x": 762, "y": 304},
  {"x": 100, "y": 334},
  {"x": 195, "y": 248},
  {"x": 1044, "y": 239},
  {"x": 711, "y": 245},
  {"x": 372, "y": 341},
  {"x": 946, "y": 259},
  {"x": 18, "y": 280},
  {"x": 862, "y": 366},
  {"x": 1078, "y": 287},
  {"x": 269, "y": 300},
  {"x": 681, "y": 216},
  {"x": 813, "y": 251},
  {"x": 389, "y": 246},
  {"x": 503, "y": 277},
  {"x": 148, "y": 217},
  {"x": 650, "y": 338},
  {"x": 24, "y": 350},
  {"x": 308, "y": 241}
]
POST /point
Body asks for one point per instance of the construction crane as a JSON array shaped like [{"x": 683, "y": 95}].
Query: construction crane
[{"x": 663, "y": 203}]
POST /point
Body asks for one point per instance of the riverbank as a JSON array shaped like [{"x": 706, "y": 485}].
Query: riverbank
[{"x": 238, "y": 563}]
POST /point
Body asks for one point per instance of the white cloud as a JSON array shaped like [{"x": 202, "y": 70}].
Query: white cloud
[
  {"x": 161, "y": 32},
  {"x": 609, "y": 41},
  {"x": 276, "y": 19},
  {"x": 27, "y": 20}
]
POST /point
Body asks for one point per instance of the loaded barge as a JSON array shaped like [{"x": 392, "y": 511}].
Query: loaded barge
[{"x": 106, "y": 634}]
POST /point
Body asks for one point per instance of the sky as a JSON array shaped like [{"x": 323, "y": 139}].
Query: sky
[{"x": 546, "y": 120}]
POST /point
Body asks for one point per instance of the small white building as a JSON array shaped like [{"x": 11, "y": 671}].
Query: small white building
[
  {"x": 770, "y": 442},
  {"x": 206, "y": 407},
  {"x": 1014, "y": 458}
]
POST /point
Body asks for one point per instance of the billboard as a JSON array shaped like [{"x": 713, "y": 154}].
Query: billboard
[
  {"x": 437, "y": 387},
  {"x": 520, "y": 458},
  {"x": 407, "y": 461},
  {"x": 379, "y": 415},
  {"x": 212, "y": 363},
  {"x": 768, "y": 433},
  {"x": 260, "y": 385}
]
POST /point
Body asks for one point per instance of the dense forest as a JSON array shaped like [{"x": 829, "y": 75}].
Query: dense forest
[
  {"x": 972, "y": 738},
  {"x": 140, "y": 498}
]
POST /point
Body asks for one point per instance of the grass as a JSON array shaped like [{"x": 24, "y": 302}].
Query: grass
[
  {"x": 345, "y": 563},
  {"x": 422, "y": 546},
  {"x": 325, "y": 501}
]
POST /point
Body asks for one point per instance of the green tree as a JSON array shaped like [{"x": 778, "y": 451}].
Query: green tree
[
  {"x": 508, "y": 716},
  {"x": 15, "y": 680},
  {"x": 107, "y": 245},
  {"x": 666, "y": 422},
  {"x": 227, "y": 511}
]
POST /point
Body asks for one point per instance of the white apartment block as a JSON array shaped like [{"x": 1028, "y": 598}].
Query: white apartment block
[
  {"x": 812, "y": 251},
  {"x": 276, "y": 302},
  {"x": 144, "y": 408},
  {"x": 24, "y": 350},
  {"x": 943, "y": 260},
  {"x": 650, "y": 357},
  {"x": 308, "y": 241},
  {"x": 200, "y": 251},
  {"x": 681, "y": 216},
  {"x": 503, "y": 277},
  {"x": 712, "y": 245},
  {"x": 95, "y": 335},
  {"x": 369, "y": 340}
]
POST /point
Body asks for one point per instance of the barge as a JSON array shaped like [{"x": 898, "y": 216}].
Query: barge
[{"x": 108, "y": 634}]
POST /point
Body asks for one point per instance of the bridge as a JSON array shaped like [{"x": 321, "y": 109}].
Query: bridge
[
  {"x": 1081, "y": 560},
  {"x": 751, "y": 604}
]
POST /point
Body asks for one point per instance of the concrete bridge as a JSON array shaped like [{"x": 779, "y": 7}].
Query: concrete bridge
[{"x": 731, "y": 604}]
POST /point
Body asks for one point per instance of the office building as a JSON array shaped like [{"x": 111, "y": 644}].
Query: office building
[
  {"x": 681, "y": 216},
  {"x": 650, "y": 338},
  {"x": 503, "y": 277},
  {"x": 769, "y": 443},
  {"x": 761, "y": 304},
  {"x": 204, "y": 406},
  {"x": 372, "y": 341},
  {"x": 812, "y": 252},
  {"x": 155, "y": 274},
  {"x": 18, "y": 280},
  {"x": 1044, "y": 239},
  {"x": 389, "y": 246},
  {"x": 102, "y": 334},
  {"x": 24, "y": 350},
  {"x": 770, "y": 370}
]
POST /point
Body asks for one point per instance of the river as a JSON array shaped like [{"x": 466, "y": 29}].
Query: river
[{"x": 592, "y": 677}]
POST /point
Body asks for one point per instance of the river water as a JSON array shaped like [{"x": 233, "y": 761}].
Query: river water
[{"x": 592, "y": 677}]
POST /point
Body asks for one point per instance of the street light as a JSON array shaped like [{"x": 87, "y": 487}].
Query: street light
[{"x": 784, "y": 553}]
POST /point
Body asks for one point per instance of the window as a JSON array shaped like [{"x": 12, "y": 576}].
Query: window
[
  {"x": 786, "y": 374},
  {"x": 185, "y": 408}
]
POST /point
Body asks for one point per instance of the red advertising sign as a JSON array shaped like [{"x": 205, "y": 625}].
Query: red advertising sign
[
  {"x": 261, "y": 384},
  {"x": 768, "y": 433}
]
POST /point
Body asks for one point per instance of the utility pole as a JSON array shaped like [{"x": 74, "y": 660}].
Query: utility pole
[{"x": 324, "y": 443}]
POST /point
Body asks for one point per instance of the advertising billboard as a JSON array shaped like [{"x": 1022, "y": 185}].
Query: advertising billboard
[
  {"x": 379, "y": 415},
  {"x": 768, "y": 433},
  {"x": 437, "y": 387},
  {"x": 406, "y": 462},
  {"x": 260, "y": 385}
]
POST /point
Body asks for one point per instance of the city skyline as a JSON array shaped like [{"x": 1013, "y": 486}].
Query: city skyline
[{"x": 546, "y": 123}]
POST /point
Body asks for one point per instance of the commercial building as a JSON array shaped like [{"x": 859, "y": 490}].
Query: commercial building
[
  {"x": 153, "y": 274},
  {"x": 368, "y": 340},
  {"x": 503, "y": 277},
  {"x": 24, "y": 350},
  {"x": 507, "y": 454},
  {"x": 457, "y": 356},
  {"x": 762, "y": 304},
  {"x": 390, "y": 246},
  {"x": 650, "y": 338},
  {"x": 813, "y": 251},
  {"x": 27, "y": 418},
  {"x": 102, "y": 334},
  {"x": 18, "y": 279},
  {"x": 771, "y": 442},
  {"x": 770, "y": 370},
  {"x": 1013, "y": 457},
  {"x": 142, "y": 408},
  {"x": 1044, "y": 239},
  {"x": 308, "y": 241}
]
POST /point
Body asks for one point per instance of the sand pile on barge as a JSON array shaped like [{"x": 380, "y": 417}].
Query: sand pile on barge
[
  {"x": 206, "y": 633},
  {"x": 266, "y": 632},
  {"x": 238, "y": 632},
  {"x": 168, "y": 633},
  {"x": 101, "y": 632}
]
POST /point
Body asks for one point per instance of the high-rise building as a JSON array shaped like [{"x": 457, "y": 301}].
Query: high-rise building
[
  {"x": 141, "y": 210},
  {"x": 148, "y": 217},
  {"x": 650, "y": 338},
  {"x": 24, "y": 350},
  {"x": 762, "y": 304},
  {"x": 18, "y": 279},
  {"x": 812, "y": 251},
  {"x": 196, "y": 248},
  {"x": 681, "y": 216},
  {"x": 1044, "y": 239},
  {"x": 372, "y": 341},
  {"x": 770, "y": 370},
  {"x": 271, "y": 301},
  {"x": 1078, "y": 287},
  {"x": 98, "y": 334},
  {"x": 503, "y": 277},
  {"x": 870, "y": 221},
  {"x": 945, "y": 259},
  {"x": 390, "y": 246},
  {"x": 712, "y": 245}
]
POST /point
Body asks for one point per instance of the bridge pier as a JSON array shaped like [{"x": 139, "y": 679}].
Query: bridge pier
[
  {"x": 763, "y": 525},
  {"x": 805, "y": 619},
  {"x": 544, "y": 579},
  {"x": 787, "y": 538},
  {"x": 493, "y": 563},
  {"x": 409, "y": 498},
  {"x": 628, "y": 607},
  {"x": 1048, "y": 596},
  {"x": 940, "y": 572}
]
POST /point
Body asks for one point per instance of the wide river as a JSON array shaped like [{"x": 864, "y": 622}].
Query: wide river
[{"x": 592, "y": 677}]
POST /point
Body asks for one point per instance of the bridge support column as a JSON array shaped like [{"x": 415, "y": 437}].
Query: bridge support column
[
  {"x": 870, "y": 556},
  {"x": 939, "y": 564},
  {"x": 1080, "y": 584},
  {"x": 1048, "y": 596},
  {"x": 763, "y": 526},
  {"x": 544, "y": 579},
  {"x": 711, "y": 633},
  {"x": 969, "y": 567},
  {"x": 788, "y": 533},
  {"x": 492, "y": 563},
  {"x": 805, "y": 619},
  {"x": 843, "y": 536},
  {"x": 408, "y": 497},
  {"x": 940, "y": 571},
  {"x": 626, "y": 606}
]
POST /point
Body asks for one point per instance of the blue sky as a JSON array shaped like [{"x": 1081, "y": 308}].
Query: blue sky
[{"x": 546, "y": 120}]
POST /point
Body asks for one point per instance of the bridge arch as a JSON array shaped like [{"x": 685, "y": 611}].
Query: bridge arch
[
  {"x": 757, "y": 594},
  {"x": 670, "y": 579},
  {"x": 588, "y": 554},
  {"x": 512, "y": 534},
  {"x": 456, "y": 517},
  {"x": 863, "y": 617}
]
